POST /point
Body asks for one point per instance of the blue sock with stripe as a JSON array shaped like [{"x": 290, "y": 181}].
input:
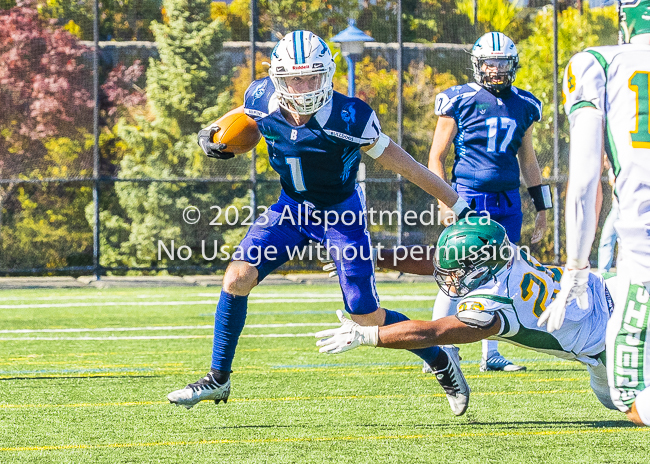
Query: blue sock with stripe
[
  {"x": 428, "y": 355},
  {"x": 229, "y": 321}
]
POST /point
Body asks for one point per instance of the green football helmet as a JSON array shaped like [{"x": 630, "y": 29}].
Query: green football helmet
[
  {"x": 469, "y": 254},
  {"x": 634, "y": 19}
]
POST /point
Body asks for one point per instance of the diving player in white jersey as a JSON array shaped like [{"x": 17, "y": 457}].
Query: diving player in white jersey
[
  {"x": 502, "y": 292},
  {"x": 607, "y": 92}
]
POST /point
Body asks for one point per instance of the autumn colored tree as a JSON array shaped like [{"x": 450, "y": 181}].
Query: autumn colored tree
[{"x": 46, "y": 132}]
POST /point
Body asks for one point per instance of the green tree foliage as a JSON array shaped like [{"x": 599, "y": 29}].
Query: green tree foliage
[
  {"x": 576, "y": 32},
  {"x": 493, "y": 15},
  {"x": 423, "y": 21},
  {"x": 324, "y": 18},
  {"x": 186, "y": 89},
  {"x": 119, "y": 19}
]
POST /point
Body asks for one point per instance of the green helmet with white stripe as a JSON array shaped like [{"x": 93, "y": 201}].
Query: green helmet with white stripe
[
  {"x": 469, "y": 254},
  {"x": 634, "y": 19}
]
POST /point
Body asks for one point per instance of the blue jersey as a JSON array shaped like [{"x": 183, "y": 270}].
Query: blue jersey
[
  {"x": 490, "y": 131},
  {"x": 318, "y": 161}
]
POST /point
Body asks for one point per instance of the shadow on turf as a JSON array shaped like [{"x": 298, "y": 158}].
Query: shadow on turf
[
  {"x": 446, "y": 425},
  {"x": 64, "y": 377},
  {"x": 517, "y": 425}
]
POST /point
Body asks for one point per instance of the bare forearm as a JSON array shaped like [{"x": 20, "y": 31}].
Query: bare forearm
[
  {"x": 423, "y": 334},
  {"x": 528, "y": 161},
  {"x": 412, "y": 260},
  {"x": 531, "y": 173},
  {"x": 399, "y": 161}
]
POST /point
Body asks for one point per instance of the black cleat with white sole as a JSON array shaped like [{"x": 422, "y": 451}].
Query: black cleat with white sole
[
  {"x": 205, "y": 389},
  {"x": 453, "y": 382}
]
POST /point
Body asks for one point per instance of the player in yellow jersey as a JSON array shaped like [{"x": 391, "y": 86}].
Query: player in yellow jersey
[{"x": 607, "y": 98}]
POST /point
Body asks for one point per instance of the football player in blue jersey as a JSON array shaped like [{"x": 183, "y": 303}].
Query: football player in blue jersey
[
  {"x": 490, "y": 124},
  {"x": 315, "y": 138}
]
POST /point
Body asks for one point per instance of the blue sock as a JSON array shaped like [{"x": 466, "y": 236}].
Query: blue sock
[
  {"x": 228, "y": 323},
  {"x": 428, "y": 355}
]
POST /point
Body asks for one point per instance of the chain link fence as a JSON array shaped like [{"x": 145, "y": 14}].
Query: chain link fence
[{"x": 99, "y": 167}]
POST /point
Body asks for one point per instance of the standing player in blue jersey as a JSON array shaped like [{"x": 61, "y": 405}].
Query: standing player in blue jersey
[
  {"x": 490, "y": 123},
  {"x": 315, "y": 138}
]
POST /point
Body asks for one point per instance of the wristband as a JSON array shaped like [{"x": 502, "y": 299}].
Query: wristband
[
  {"x": 541, "y": 195},
  {"x": 459, "y": 207}
]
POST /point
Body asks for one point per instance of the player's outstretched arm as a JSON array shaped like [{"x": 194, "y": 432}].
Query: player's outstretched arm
[
  {"x": 406, "y": 335},
  {"x": 584, "y": 176},
  {"x": 399, "y": 161},
  {"x": 415, "y": 259}
]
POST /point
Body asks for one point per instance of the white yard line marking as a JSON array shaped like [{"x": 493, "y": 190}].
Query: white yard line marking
[
  {"x": 281, "y": 295},
  {"x": 209, "y": 302},
  {"x": 169, "y": 327},
  {"x": 153, "y": 337}
]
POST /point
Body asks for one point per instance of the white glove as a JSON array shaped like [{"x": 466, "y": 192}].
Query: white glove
[
  {"x": 330, "y": 266},
  {"x": 572, "y": 285},
  {"x": 347, "y": 337}
]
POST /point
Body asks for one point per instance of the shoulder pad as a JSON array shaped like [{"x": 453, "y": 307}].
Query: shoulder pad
[
  {"x": 534, "y": 102},
  {"x": 353, "y": 120},
  {"x": 447, "y": 100},
  {"x": 477, "y": 313},
  {"x": 258, "y": 97},
  {"x": 477, "y": 319},
  {"x": 584, "y": 82}
]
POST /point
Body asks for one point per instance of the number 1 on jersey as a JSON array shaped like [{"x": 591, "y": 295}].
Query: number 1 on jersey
[
  {"x": 639, "y": 83},
  {"x": 296, "y": 173}
]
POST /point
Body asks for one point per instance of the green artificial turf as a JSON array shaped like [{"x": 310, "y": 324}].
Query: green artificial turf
[{"x": 70, "y": 399}]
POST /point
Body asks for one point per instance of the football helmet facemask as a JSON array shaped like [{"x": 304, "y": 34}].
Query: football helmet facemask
[
  {"x": 469, "y": 254},
  {"x": 302, "y": 54},
  {"x": 633, "y": 19},
  {"x": 495, "y": 62}
]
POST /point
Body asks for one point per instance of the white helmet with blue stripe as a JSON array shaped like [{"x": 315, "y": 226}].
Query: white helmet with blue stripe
[
  {"x": 495, "y": 61},
  {"x": 302, "y": 68}
]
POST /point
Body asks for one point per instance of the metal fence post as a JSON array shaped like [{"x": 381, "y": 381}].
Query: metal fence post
[
  {"x": 556, "y": 143},
  {"x": 253, "y": 168},
  {"x": 97, "y": 223},
  {"x": 400, "y": 109}
]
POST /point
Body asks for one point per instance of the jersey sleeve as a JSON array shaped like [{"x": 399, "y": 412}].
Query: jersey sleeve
[
  {"x": 536, "y": 106},
  {"x": 259, "y": 99},
  {"x": 482, "y": 310},
  {"x": 446, "y": 102},
  {"x": 584, "y": 82},
  {"x": 362, "y": 121}
]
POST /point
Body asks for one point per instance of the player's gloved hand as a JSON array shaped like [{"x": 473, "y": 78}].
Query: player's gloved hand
[
  {"x": 347, "y": 337},
  {"x": 330, "y": 266},
  {"x": 572, "y": 285},
  {"x": 211, "y": 149}
]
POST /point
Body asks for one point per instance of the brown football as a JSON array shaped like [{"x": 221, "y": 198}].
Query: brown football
[{"x": 239, "y": 132}]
